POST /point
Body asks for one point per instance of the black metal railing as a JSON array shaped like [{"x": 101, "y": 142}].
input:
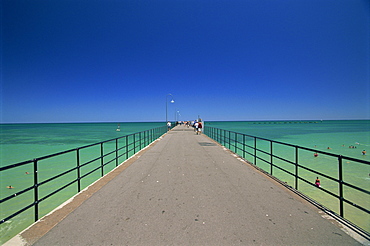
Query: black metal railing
[
  {"x": 297, "y": 167},
  {"x": 72, "y": 171}
]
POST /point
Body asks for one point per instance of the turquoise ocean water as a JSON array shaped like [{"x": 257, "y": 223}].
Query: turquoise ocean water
[{"x": 20, "y": 142}]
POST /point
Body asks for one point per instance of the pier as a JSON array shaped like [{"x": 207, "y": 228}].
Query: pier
[{"x": 185, "y": 189}]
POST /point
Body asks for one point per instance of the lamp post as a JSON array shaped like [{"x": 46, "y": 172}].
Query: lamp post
[{"x": 172, "y": 101}]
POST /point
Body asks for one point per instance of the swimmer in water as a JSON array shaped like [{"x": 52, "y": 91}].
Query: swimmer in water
[
  {"x": 10, "y": 187},
  {"x": 363, "y": 152},
  {"x": 317, "y": 182},
  {"x": 315, "y": 155}
]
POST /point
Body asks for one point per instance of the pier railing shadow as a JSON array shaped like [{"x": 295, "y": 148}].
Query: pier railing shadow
[
  {"x": 342, "y": 196},
  {"x": 72, "y": 171}
]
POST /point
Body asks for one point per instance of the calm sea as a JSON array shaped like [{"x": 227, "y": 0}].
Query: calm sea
[
  {"x": 20, "y": 142},
  {"x": 338, "y": 135}
]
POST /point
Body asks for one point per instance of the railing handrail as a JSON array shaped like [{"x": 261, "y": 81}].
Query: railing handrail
[
  {"x": 67, "y": 151},
  {"x": 132, "y": 143},
  {"x": 225, "y": 138},
  {"x": 294, "y": 145}
]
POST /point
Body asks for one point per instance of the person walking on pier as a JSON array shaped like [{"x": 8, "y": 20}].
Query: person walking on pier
[
  {"x": 200, "y": 127},
  {"x": 196, "y": 126}
]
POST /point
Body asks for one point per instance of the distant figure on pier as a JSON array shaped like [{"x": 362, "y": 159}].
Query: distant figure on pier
[
  {"x": 168, "y": 126},
  {"x": 363, "y": 152},
  {"x": 200, "y": 126},
  {"x": 196, "y": 123},
  {"x": 317, "y": 182}
]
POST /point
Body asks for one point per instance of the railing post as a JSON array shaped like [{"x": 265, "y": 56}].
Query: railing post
[
  {"x": 255, "y": 151},
  {"x": 271, "y": 158},
  {"x": 243, "y": 146},
  {"x": 140, "y": 140},
  {"x": 221, "y": 137},
  {"x": 236, "y": 141},
  {"x": 225, "y": 138},
  {"x": 102, "y": 159},
  {"x": 296, "y": 167},
  {"x": 341, "y": 207},
  {"x": 229, "y": 140},
  {"x": 36, "y": 189},
  {"x": 134, "y": 143},
  {"x": 116, "y": 152},
  {"x": 78, "y": 171},
  {"x": 126, "y": 147}
]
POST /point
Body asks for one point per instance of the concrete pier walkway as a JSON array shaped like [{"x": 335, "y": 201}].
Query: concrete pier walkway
[{"x": 188, "y": 190}]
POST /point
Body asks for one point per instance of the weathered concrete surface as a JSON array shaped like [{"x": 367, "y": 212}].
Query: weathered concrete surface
[{"x": 187, "y": 190}]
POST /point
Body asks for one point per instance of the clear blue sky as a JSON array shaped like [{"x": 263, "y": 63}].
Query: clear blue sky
[{"x": 116, "y": 60}]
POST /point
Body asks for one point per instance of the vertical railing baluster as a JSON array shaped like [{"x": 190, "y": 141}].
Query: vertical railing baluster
[
  {"x": 341, "y": 208},
  {"x": 140, "y": 141},
  {"x": 36, "y": 189},
  {"x": 78, "y": 171},
  {"x": 101, "y": 159},
  {"x": 134, "y": 143},
  {"x": 296, "y": 167},
  {"x": 225, "y": 138},
  {"x": 255, "y": 151},
  {"x": 236, "y": 142},
  {"x": 229, "y": 139},
  {"x": 126, "y": 147},
  {"x": 116, "y": 152},
  {"x": 271, "y": 158},
  {"x": 243, "y": 146}
]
